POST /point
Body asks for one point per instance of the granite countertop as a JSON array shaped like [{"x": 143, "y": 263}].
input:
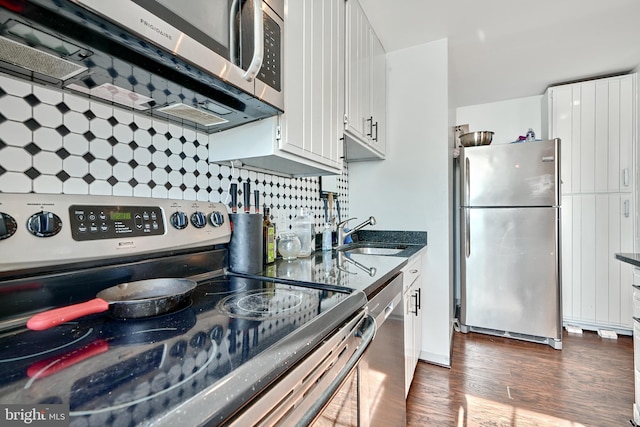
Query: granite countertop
[
  {"x": 631, "y": 258},
  {"x": 342, "y": 271}
]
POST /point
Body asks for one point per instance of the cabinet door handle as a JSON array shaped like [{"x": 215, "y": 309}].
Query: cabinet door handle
[
  {"x": 415, "y": 304},
  {"x": 625, "y": 177},
  {"x": 419, "y": 293},
  {"x": 375, "y": 138},
  {"x": 370, "y": 120},
  {"x": 626, "y": 208}
]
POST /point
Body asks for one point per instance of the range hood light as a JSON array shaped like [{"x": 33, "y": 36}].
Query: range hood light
[{"x": 215, "y": 108}]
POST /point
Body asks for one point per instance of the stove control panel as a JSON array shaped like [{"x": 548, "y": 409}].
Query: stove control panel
[
  {"x": 114, "y": 222},
  {"x": 52, "y": 229}
]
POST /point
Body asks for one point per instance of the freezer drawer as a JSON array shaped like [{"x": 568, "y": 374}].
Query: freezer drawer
[
  {"x": 509, "y": 270},
  {"x": 510, "y": 174}
]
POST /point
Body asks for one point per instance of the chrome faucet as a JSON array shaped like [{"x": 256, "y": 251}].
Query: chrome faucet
[{"x": 343, "y": 233}]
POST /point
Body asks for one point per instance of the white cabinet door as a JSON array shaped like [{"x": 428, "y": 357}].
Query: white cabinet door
[
  {"x": 378, "y": 95},
  {"x": 416, "y": 290},
  {"x": 358, "y": 70},
  {"x": 314, "y": 98},
  {"x": 595, "y": 122},
  {"x": 365, "y": 87},
  {"x": 596, "y": 287},
  {"x": 412, "y": 282}
]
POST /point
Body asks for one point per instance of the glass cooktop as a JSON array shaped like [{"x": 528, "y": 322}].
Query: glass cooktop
[{"x": 129, "y": 372}]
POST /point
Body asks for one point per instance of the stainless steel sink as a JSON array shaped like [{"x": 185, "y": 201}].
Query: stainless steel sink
[{"x": 372, "y": 250}]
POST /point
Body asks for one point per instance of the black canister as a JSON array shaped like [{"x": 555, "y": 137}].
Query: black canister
[{"x": 245, "y": 247}]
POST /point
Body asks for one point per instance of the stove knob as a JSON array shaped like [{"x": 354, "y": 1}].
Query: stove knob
[
  {"x": 216, "y": 218},
  {"x": 179, "y": 220},
  {"x": 8, "y": 226},
  {"x": 198, "y": 219},
  {"x": 44, "y": 224}
]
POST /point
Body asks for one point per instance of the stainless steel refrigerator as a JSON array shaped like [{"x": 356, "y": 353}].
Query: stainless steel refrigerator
[{"x": 510, "y": 247}]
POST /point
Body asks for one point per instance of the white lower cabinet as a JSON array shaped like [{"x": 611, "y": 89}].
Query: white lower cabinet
[
  {"x": 412, "y": 318},
  {"x": 596, "y": 289}
]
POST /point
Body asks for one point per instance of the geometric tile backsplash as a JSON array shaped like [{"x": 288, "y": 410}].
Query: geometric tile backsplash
[{"x": 58, "y": 142}]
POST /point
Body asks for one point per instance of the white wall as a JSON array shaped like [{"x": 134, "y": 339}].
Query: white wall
[
  {"x": 411, "y": 189},
  {"x": 508, "y": 119}
]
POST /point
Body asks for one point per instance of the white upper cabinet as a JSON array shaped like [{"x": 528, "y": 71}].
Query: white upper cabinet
[
  {"x": 366, "y": 88},
  {"x": 594, "y": 120},
  {"x": 307, "y": 138}
]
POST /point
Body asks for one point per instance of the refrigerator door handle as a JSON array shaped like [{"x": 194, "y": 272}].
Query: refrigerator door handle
[
  {"x": 467, "y": 183},
  {"x": 467, "y": 234}
]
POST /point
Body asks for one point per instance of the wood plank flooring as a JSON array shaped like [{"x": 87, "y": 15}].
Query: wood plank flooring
[{"x": 497, "y": 381}]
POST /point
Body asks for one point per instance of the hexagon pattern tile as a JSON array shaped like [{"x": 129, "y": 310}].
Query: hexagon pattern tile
[{"x": 55, "y": 142}]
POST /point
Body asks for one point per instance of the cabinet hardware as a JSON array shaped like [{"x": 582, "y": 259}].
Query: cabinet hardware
[
  {"x": 415, "y": 305},
  {"x": 625, "y": 177},
  {"x": 419, "y": 292},
  {"x": 626, "y": 208},
  {"x": 376, "y": 126},
  {"x": 370, "y": 120},
  {"x": 413, "y": 271}
]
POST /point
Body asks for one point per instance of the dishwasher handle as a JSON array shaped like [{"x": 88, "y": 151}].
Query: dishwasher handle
[
  {"x": 382, "y": 316},
  {"x": 367, "y": 331}
]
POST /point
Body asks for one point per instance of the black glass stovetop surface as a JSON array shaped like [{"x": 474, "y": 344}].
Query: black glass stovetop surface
[{"x": 129, "y": 372}]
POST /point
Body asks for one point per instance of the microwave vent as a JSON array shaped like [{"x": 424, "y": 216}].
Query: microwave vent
[
  {"x": 185, "y": 112},
  {"x": 37, "y": 61}
]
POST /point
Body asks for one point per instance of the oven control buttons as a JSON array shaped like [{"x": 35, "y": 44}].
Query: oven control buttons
[
  {"x": 198, "y": 219},
  {"x": 44, "y": 224},
  {"x": 179, "y": 220},
  {"x": 8, "y": 226},
  {"x": 216, "y": 218}
]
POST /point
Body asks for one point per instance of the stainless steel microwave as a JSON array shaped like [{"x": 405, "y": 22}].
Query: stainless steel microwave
[
  {"x": 211, "y": 64},
  {"x": 240, "y": 41}
]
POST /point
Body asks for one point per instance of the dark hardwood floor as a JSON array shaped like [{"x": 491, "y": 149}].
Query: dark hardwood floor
[{"x": 497, "y": 381}]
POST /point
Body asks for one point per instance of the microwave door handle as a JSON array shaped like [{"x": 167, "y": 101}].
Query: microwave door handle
[
  {"x": 233, "y": 43},
  {"x": 258, "y": 42}
]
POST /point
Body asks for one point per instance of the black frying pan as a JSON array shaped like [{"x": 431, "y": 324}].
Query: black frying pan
[{"x": 143, "y": 298}]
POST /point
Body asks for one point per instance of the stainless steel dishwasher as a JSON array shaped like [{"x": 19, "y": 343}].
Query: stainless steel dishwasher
[{"x": 382, "y": 367}]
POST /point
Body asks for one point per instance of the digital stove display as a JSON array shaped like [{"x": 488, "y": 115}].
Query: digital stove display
[
  {"x": 113, "y": 222},
  {"x": 127, "y": 372}
]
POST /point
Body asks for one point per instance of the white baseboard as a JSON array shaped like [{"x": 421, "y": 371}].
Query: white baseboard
[{"x": 436, "y": 359}]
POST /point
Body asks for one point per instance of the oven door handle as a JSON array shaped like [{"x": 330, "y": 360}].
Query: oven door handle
[{"x": 367, "y": 331}]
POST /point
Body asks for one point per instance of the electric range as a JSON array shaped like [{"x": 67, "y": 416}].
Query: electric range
[{"x": 202, "y": 363}]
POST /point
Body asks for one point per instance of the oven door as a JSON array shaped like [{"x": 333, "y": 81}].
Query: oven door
[{"x": 323, "y": 389}]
